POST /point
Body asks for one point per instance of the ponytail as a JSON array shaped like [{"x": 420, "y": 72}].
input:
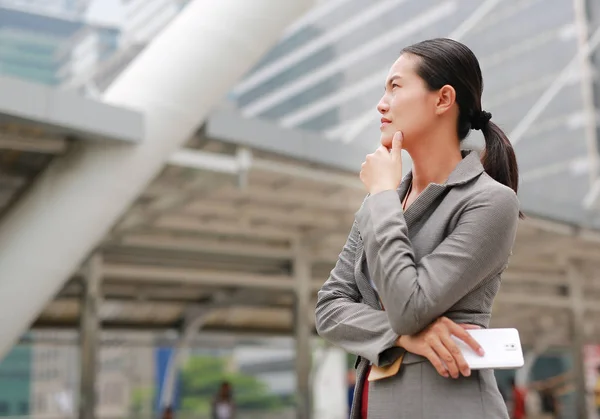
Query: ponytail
[{"x": 499, "y": 160}]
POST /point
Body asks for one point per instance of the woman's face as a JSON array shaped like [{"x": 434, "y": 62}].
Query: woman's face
[{"x": 407, "y": 104}]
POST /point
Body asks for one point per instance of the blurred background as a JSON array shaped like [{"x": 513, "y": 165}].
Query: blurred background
[{"x": 178, "y": 177}]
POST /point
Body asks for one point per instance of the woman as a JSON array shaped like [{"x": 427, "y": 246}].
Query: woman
[{"x": 424, "y": 256}]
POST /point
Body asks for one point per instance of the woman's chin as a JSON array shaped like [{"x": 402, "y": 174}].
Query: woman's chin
[{"x": 386, "y": 139}]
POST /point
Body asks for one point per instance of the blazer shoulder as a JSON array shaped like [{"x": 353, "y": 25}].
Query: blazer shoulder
[{"x": 492, "y": 192}]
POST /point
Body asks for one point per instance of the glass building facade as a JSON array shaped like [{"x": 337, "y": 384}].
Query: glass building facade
[
  {"x": 15, "y": 382},
  {"x": 327, "y": 73}
]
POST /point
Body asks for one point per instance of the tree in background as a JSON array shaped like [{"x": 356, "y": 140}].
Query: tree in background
[
  {"x": 141, "y": 401},
  {"x": 202, "y": 376}
]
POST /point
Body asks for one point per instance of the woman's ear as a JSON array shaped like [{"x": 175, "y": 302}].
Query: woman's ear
[{"x": 445, "y": 99}]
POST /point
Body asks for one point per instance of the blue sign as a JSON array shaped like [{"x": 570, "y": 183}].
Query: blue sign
[{"x": 162, "y": 357}]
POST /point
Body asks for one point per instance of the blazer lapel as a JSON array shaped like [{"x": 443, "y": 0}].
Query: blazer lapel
[
  {"x": 469, "y": 168},
  {"x": 422, "y": 203}
]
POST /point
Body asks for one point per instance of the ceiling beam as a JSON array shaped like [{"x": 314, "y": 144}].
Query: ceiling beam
[
  {"x": 308, "y": 173},
  {"x": 218, "y": 227},
  {"x": 267, "y": 195},
  {"x": 26, "y": 143},
  {"x": 514, "y": 275},
  {"x": 219, "y": 278},
  {"x": 252, "y": 213},
  {"x": 158, "y": 241},
  {"x": 532, "y": 300},
  {"x": 238, "y": 331},
  {"x": 205, "y": 246},
  {"x": 527, "y": 263},
  {"x": 169, "y": 200}
]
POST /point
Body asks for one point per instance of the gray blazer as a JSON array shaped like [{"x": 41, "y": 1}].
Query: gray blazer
[{"x": 442, "y": 257}]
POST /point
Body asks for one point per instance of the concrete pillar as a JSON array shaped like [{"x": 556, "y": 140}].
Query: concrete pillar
[
  {"x": 89, "y": 335},
  {"x": 575, "y": 278},
  {"x": 175, "y": 82},
  {"x": 302, "y": 327}
]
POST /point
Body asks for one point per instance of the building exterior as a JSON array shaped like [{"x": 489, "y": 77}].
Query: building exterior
[
  {"x": 15, "y": 382},
  {"x": 64, "y": 8},
  {"x": 32, "y": 45},
  {"x": 54, "y": 377},
  {"x": 41, "y": 379},
  {"x": 51, "y": 49},
  {"x": 60, "y": 42}
]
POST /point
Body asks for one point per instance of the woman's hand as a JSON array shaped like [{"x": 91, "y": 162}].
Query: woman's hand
[
  {"x": 435, "y": 344},
  {"x": 382, "y": 170}
]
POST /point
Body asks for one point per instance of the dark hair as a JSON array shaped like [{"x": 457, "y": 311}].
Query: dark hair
[{"x": 443, "y": 62}]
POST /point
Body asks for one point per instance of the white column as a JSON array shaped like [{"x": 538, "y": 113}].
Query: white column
[
  {"x": 330, "y": 385},
  {"x": 175, "y": 82}
]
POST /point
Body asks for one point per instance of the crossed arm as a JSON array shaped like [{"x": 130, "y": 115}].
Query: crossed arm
[{"x": 348, "y": 323}]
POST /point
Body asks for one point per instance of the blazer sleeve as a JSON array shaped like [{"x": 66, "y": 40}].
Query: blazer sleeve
[
  {"x": 348, "y": 323},
  {"x": 415, "y": 294}
]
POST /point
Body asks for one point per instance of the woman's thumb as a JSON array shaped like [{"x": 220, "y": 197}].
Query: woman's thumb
[{"x": 467, "y": 326}]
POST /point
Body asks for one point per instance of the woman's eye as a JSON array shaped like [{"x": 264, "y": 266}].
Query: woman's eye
[{"x": 394, "y": 86}]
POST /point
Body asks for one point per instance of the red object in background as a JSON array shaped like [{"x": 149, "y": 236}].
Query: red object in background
[
  {"x": 518, "y": 403},
  {"x": 364, "y": 400}
]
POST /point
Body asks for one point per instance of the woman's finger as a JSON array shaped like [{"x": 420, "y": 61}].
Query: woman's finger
[
  {"x": 456, "y": 355},
  {"x": 463, "y": 335},
  {"x": 440, "y": 349},
  {"x": 437, "y": 363}
]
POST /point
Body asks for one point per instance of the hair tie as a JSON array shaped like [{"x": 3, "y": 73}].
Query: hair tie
[{"x": 480, "y": 119}]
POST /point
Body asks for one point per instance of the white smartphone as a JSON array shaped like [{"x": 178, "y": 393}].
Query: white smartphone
[{"x": 502, "y": 349}]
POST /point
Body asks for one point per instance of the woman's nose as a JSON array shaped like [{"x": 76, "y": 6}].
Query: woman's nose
[{"x": 382, "y": 106}]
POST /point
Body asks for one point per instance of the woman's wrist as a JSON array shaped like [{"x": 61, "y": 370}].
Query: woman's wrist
[{"x": 399, "y": 342}]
